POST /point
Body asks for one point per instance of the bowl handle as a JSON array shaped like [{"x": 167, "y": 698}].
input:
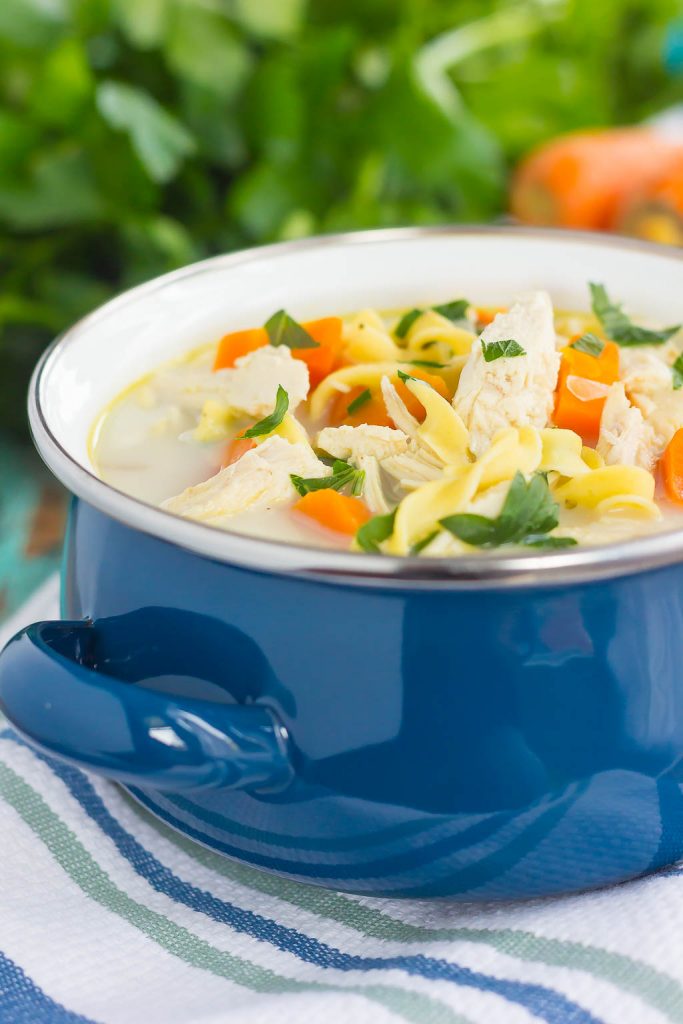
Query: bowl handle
[{"x": 127, "y": 732}]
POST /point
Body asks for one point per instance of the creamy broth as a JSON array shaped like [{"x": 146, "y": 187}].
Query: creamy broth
[
  {"x": 439, "y": 431},
  {"x": 139, "y": 448}
]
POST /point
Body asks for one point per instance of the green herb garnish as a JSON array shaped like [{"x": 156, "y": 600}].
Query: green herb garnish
[
  {"x": 677, "y": 373},
  {"x": 619, "y": 327},
  {"x": 359, "y": 401},
  {"x": 507, "y": 349},
  {"x": 406, "y": 322},
  {"x": 453, "y": 311},
  {"x": 425, "y": 542},
  {"x": 548, "y": 542},
  {"x": 529, "y": 513},
  {"x": 402, "y": 375},
  {"x": 589, "y": 343},
  {"x": 267, "y": 425},
  {"x": 282, "y": 329},
  {"x": 427, "y": 362},
  {"x": 358, "y": 482},
  {"x": 343, "y": 475},
  {"x": 379, "y": 528}
]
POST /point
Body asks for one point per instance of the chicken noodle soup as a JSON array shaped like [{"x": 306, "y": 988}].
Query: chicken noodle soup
[{"x": 438, "y": 431}]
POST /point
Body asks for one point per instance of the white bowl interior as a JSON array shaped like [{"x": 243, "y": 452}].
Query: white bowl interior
[{"x": 156, "y": 322}]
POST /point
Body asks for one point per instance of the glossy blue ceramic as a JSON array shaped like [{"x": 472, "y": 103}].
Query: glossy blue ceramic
[
  {"x": 501, "y": 729},
  {"x": 391, "y": 742}
]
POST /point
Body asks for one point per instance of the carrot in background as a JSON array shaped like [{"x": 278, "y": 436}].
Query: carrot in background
[
  {"x": 655, "y": 212},
  {"x": 581, "y": 180}
]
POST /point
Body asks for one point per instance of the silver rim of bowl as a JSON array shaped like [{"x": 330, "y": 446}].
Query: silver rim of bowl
[{"x": 482, "y": 571}]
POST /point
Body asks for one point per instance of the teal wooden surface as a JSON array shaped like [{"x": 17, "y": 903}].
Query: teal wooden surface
[{"x": 31, "y": 524}]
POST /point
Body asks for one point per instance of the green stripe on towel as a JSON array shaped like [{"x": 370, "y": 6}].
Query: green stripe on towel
[
  {"x": 659, "y": 990},
  {"x": 93, "y": 880}
]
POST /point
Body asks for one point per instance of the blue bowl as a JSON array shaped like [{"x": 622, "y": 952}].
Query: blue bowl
[{"x": 484, "y": 728}]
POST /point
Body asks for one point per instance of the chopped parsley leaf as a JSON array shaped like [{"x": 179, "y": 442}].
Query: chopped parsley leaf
[
  {"x": 378, "y": 529},
  {"x": 619, "y": 327},
  {"x": 548, "y": 542},
  {"x": 677, "y": 373},
  {"x": 425, "y": 542},
  {"x": 589, "y": 343},
  {"x": 507, "y": 349},
  {"x": 267, "y": 425},
  {"x": 359, "y": 401},
  {"x": 453, "y": 311},
  {"x": 427, "y": 362},
  {"x": 402, "y": 375},
  {"x": 282, "y": 329},
  {"x": 343, "y": 475},
  {"x": 406, "y": 322},
  {"x": 528, "y": 515}
]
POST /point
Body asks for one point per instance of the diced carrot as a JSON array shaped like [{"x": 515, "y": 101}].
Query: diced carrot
[
  {"x": 372, "y": 412},
  {"x": 573, "y": 412},
  {"x": 333, "y": 510},
  {"x": 487, "y": 316},
  {"x": 235, "y": 449},
  {"x": 604, "y": 368},
  {"x": 672, "y": 468},
  {"x": 240, "y": 343},
  {"x": 609, "y": 362},
  {"x": 322, "y": 360},
  {"x": 413, "y": 404}
]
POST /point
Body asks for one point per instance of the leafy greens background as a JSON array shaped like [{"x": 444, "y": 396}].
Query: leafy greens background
[{"x": 138, "y": 135}]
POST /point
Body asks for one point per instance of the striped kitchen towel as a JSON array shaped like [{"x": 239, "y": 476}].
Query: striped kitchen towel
[{"x": 106, "y": 915}]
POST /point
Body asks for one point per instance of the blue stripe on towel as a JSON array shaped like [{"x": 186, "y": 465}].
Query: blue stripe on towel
[
  {"x": 22, "y": 1002},
  {"x": 543, "y": 1002}
]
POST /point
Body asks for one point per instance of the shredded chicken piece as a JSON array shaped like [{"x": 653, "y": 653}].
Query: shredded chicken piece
[
  {"x": 664, "y": 417},
  {"x": 249, "y": 387},
  {"x": 625, "y": 438},
  {"x": 352, "y": 442},
  {"x": 516, "y": 391},
  {"x": 646, "y": 370},
  {"x": 370, "y": 447},
  {"x": 647, "y": 377},
  {"x": 373, "y": 492},
  {"x": 412, "y": 468},
  {"x": 397, "y": 410},
  {"x": 260, "y": 478}
]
